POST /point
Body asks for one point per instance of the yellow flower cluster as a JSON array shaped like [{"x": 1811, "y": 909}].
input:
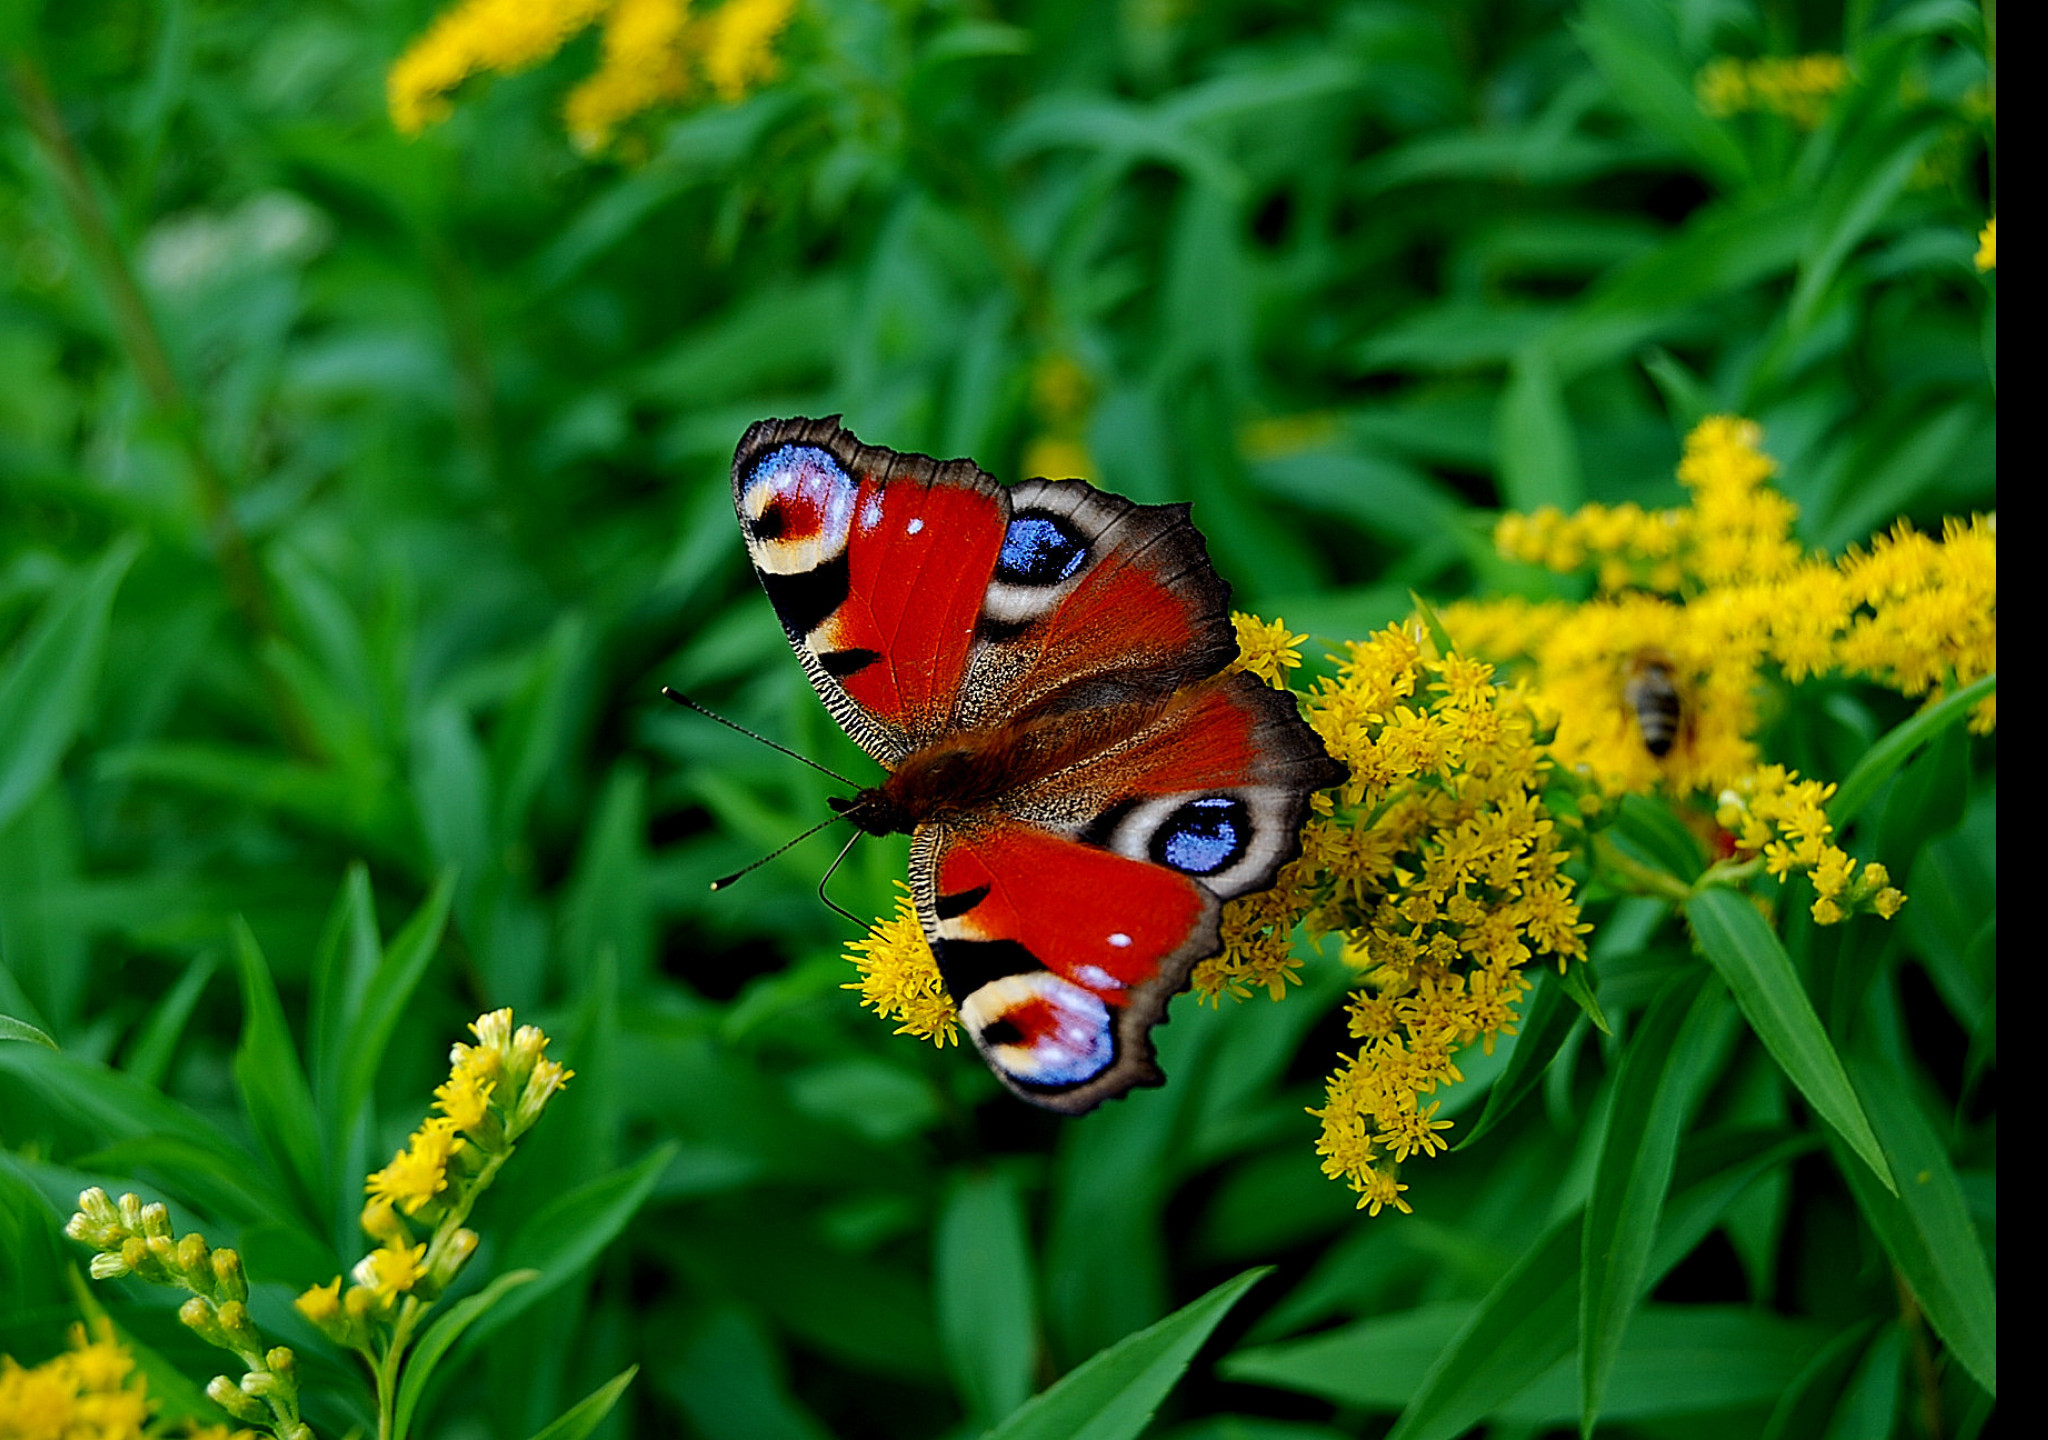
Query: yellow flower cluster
[
  {"x": 1987, "y": 245},
  {"x": 1734, "y": 592},
  {"x": 1442, "y": 870},
  {"x": 1797, "y": 87},
  {"x": 1737, "y": 529},
  {"x": 652, "y": 54},
  {"x": 899, "y": 979},
  {"x": 495, "y": 1091},
  {"x": 1926, "y": 613},
  {"x": 131, "y": 1238},
  {"x": 1783, "y": 818},
  {"x": 1437, "y": 862},
  {"x": 90, "y": 1392}
]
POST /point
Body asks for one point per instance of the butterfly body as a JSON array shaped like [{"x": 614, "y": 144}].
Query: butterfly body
[{"x": 1040, "y": 668}]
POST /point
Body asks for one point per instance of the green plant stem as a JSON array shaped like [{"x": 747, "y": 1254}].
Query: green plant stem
[{"x": 143, "y": 343}]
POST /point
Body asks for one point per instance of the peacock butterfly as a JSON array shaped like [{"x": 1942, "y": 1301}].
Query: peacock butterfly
[{"x": 1040, "y": 669}]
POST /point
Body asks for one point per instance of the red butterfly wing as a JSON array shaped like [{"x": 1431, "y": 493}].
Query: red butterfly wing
[
  {"x": 1061, "y": 956},
  {"x": 877, "y": 564}
]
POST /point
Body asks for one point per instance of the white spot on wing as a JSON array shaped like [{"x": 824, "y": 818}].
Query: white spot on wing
[
  {"x": 913, "y": 527},
  {"x": 1120, "y": 940}
]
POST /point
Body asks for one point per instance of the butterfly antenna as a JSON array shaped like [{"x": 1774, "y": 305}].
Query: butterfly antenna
[
  {"x": 828, "y": 875},
  {"x": 723, "y": 881},
  {"x": 687, "y": 703}
]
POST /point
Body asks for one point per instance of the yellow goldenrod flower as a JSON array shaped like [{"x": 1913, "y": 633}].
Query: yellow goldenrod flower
[
  {"x": 390, "y": 1270},
  {"x": 1987, "y": 245},
  {"x": 652, "y": 53},
  {"x": 419, "y": 1172},
  {"x": 91, "y": 1391},
  {"x": 1775, "y": 814},
  {"x": 739, "y": 41},
  {"x": 1266, "y": 650},
  {"x": 473, "y": 37},
  {"x": 136, "y": 1239},
  {"x": 642, "y": 67},
  {"x": 899, "y": 979},
  {"x": 1797, "y": 87}
]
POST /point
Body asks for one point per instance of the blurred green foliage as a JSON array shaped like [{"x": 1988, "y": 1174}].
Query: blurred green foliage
[{"x": 357, "y": 496}]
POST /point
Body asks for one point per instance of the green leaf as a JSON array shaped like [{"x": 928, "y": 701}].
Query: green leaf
[
  {"x": 344, "y": 967},
  {"x": 1538, "y": 454},
  {"x": 271, "y": 1081},
  {"x": 404, "y": 963},
  {"x": 1655, "y": 1088},
  {"x": 1881, "y": 760},
  {"x": 1862, "y": 184},
  {"x": 1925, "y": 1225},
  {"x": 1113, "y": 1396},
  {"x": 150, "y": 1054},
  {"x": 425, "y": 1357},
  {"x": 569, "y": 1232},
  {"x": 1740, "y": 946},
  {"x": 1650, "y": 832},
  {"x": 1576, "y": 981},
  {"x": 588, "y": 1413},
  {"x": 13, "y": 1029},
  {"x": 1522, "y": 1327},
  {"x": 44, "y": 692},
  {"x": 1542, "y": 1029},
  {"x": 985, "y": 1296}
]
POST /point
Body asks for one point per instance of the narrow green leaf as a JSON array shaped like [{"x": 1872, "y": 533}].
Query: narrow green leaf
[
  {"x": 1884, "y": 758},
  {"x": 569, "y": 1232},
  {"x": 425, "y": 1357},
  {"x": 1113, "y": 1396},
  {"x": 1807, "y": 1403},
  {"x": 405, "y": 963},
  {"x": 1741, "y": 947},
  {"x": 1576, "y": 981},
  {"x": 1862, "y": 184},
  {"x": 150, "y": 1054},
  {"x": 1925, "y": 1225},
  {"x": 1659, "y": 1081},
  {"x": 589, "y": 1412},
  {"x": 1538, "y": 454},
  {"x": 344, "y": 967},
  {"x": 1542, "y": 1029},
  {"x": 986, "y": 1297},
  {"x": 1433, "y": 622},
  {"x": 273, "y": 1086},
  {"x": 1526, "y": 1323},
  {"x": 13, "y": 1029},
  {"x": 45, "y": 690},
  {"x": 1649, "y": 831}
]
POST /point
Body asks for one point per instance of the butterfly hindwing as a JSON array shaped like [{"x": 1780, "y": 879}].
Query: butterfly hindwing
[
  {"x": 1060, "y": 956},
  {"x": 1064, "y": 927}
]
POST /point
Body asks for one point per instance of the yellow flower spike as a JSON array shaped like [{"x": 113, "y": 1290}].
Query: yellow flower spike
[
  {"x": 1266, "y": 649},
  {"x": 321, "y": 1305},
  {"x": 899, "y": 979},
  {"x": 390, "y": 1271},
  {"x": 474, "y": 37},
  {"x": 1987, "y": 245},
  {"x": 739, "y": 54},
  {"x": 418, "y": 1174}
]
